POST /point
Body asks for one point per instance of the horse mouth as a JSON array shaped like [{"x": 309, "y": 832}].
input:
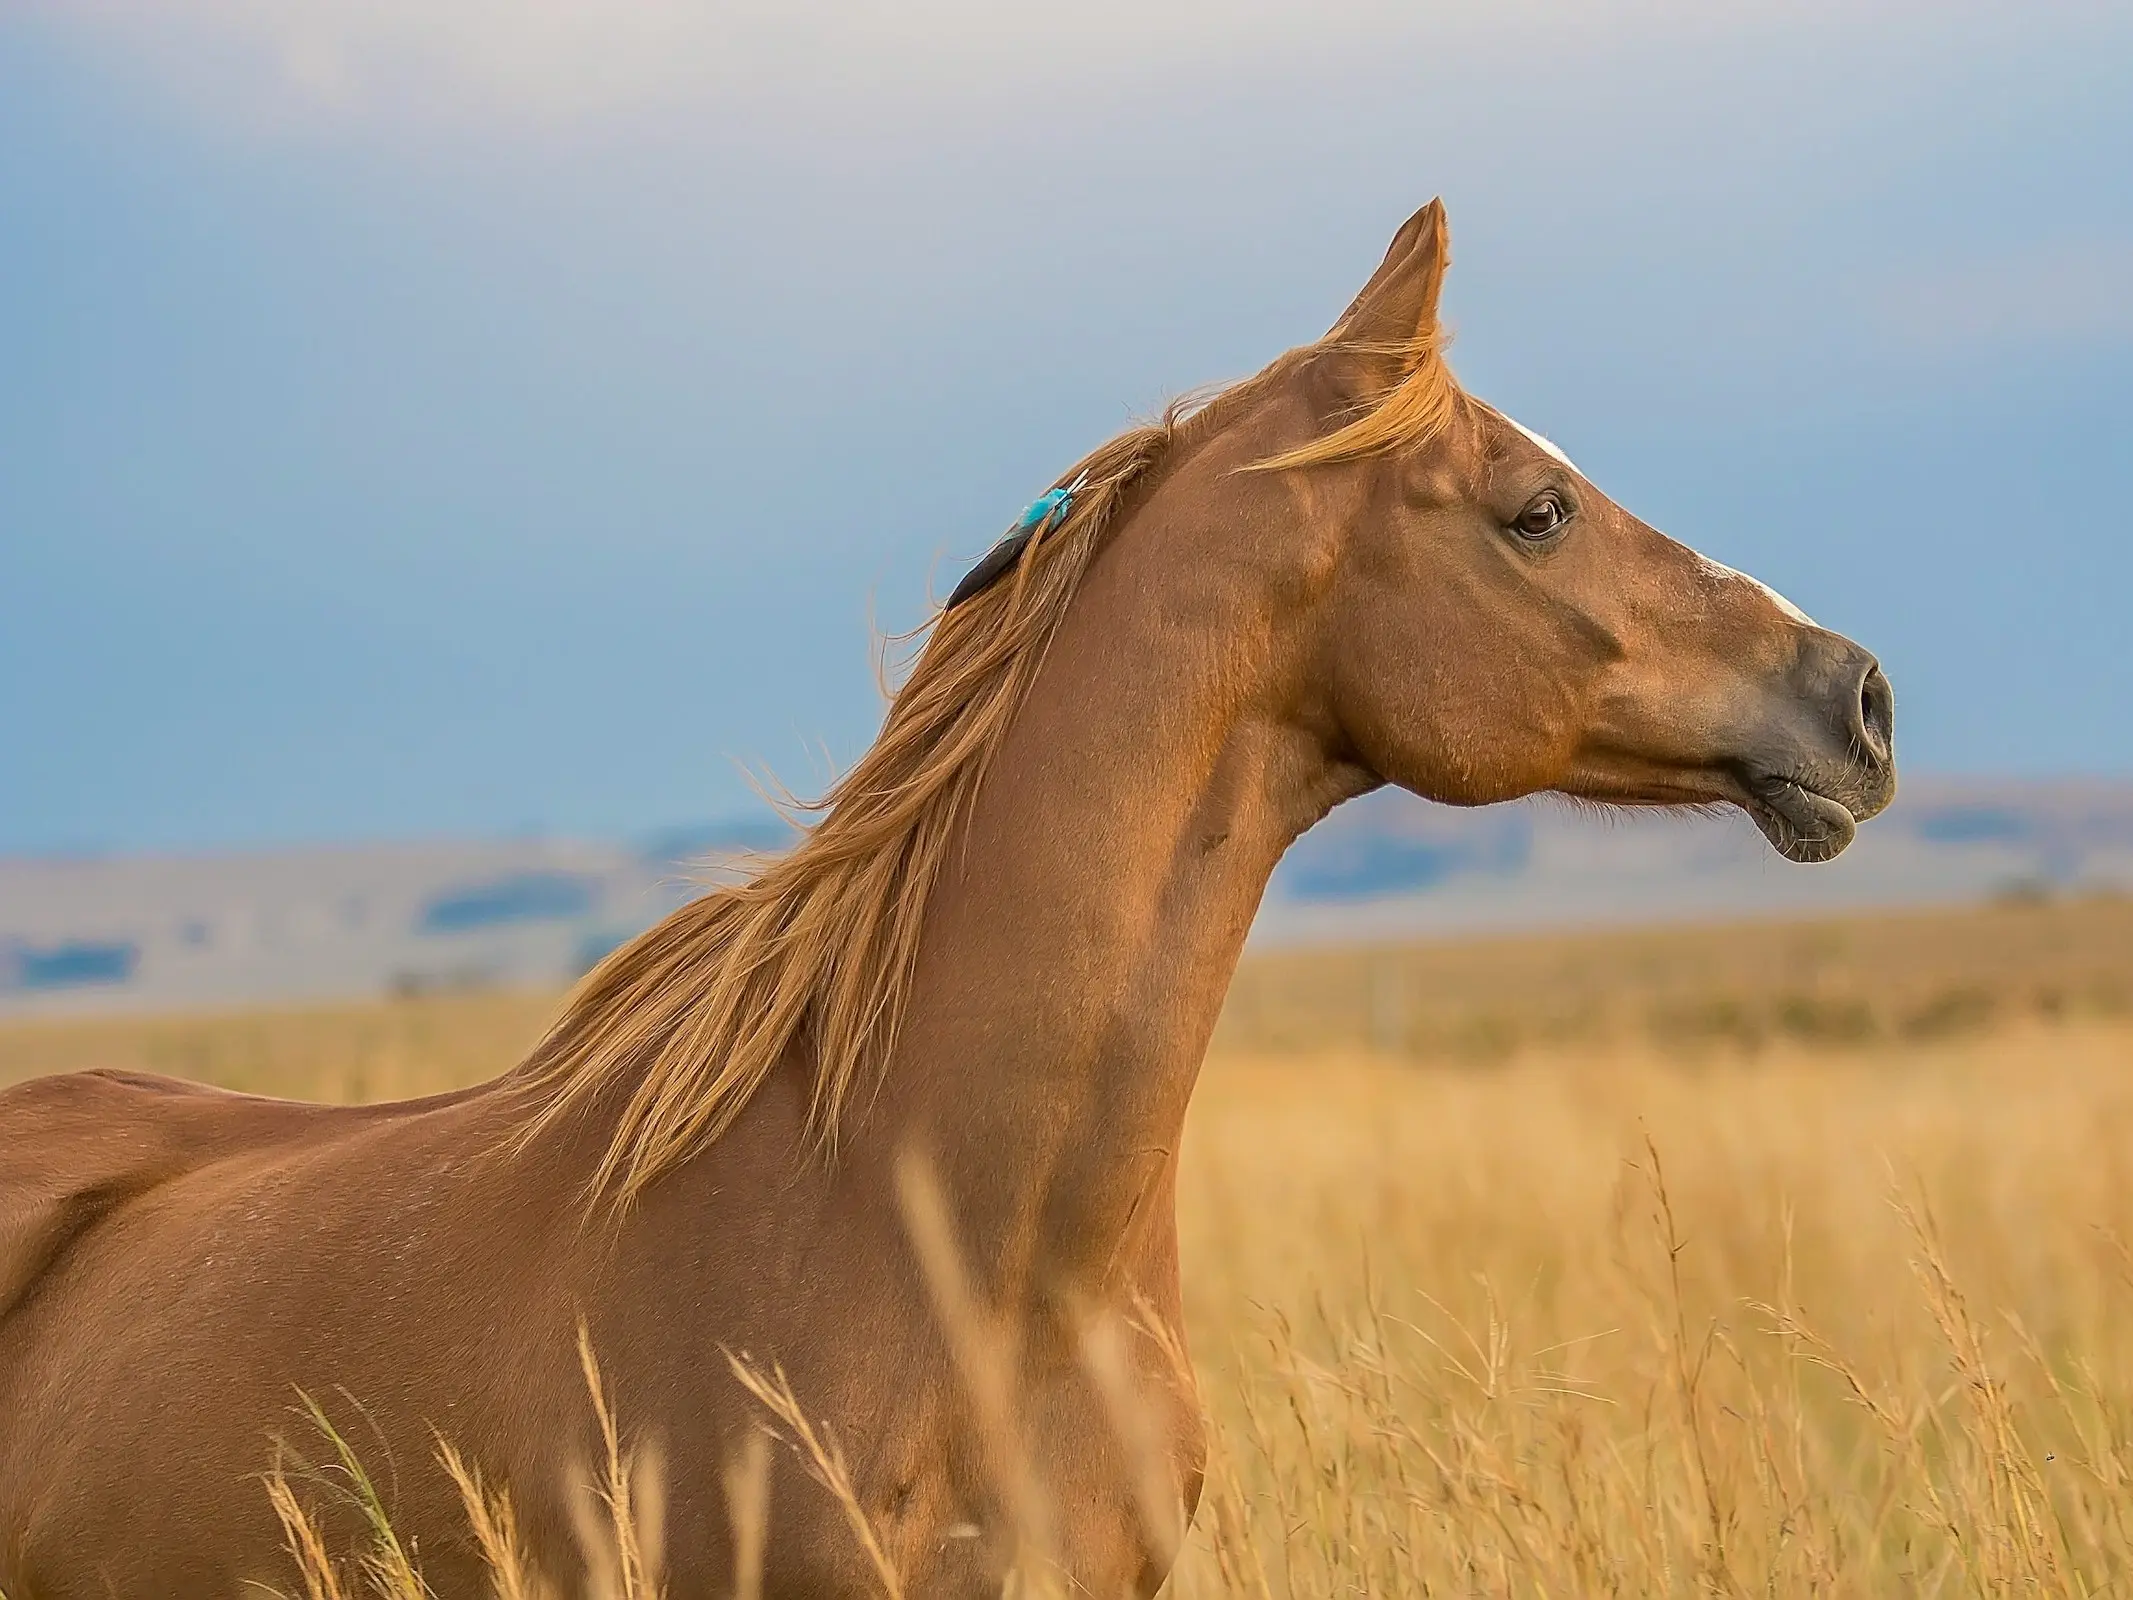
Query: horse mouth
[{"x": 1802, "y": 824}]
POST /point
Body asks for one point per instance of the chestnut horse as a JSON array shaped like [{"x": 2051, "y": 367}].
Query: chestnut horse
[{"x": 1004, "y": 944}]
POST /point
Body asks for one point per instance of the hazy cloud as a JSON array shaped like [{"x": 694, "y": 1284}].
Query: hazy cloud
[{"x": 382, "y": 62}]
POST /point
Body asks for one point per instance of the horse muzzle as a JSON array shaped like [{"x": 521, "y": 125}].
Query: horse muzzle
[{"x": 1827, "y": 760}]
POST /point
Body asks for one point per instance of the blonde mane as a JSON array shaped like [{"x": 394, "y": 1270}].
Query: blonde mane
[{"x": 816, "y": 950}]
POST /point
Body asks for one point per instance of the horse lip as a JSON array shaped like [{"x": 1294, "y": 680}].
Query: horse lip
[{"x": 1802, "y": 824}]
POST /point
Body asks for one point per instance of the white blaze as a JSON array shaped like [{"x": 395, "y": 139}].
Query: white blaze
[{"x": 1549, "y": 446}]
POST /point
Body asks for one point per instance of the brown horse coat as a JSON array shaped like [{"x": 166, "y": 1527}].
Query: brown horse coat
[{"x": 1003, "y": 947}]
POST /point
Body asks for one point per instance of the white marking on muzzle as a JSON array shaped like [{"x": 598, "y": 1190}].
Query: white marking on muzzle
[{"x": 1720, "y": 569}]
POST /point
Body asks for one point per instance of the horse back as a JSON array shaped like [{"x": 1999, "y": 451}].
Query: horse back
[{"x": 75, "y": 1148}]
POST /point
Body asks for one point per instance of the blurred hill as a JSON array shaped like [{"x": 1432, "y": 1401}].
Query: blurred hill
[
  {"x": 1390, "y": 865},
  {"x": 179, "y": 932}
]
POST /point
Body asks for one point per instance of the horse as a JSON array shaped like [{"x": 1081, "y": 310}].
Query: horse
[{"x": 927, "y": 1071}]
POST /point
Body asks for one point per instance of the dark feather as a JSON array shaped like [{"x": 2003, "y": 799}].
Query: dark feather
[{"x": 999, "y": 559}]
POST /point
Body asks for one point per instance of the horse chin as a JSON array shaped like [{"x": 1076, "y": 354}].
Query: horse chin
[{"x": 1800, "y": 824}]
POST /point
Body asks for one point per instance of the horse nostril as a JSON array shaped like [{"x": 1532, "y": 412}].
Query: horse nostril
[{"x": 1877, "y": 712}]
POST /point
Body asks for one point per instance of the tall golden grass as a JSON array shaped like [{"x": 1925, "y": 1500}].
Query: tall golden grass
[
  {"x": 1607, "y": 1325},
  {"x": 618, "y": 1514},
  {"x": 1828, "y": 1312}
]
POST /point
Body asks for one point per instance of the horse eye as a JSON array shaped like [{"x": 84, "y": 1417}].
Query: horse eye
[{"x": 1542, "y": 517}]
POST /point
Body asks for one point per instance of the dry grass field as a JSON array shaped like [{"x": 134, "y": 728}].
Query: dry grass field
[{"x": 1777, "y": 1260}]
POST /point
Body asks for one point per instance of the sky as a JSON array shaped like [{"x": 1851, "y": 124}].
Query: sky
[{"x": 464, "y": 417}]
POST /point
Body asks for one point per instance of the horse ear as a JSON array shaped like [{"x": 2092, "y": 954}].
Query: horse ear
[{"x": 1398, "y": 306}]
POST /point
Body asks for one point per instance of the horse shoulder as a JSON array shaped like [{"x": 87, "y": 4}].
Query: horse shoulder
[{"x": 76, "y": 1147}]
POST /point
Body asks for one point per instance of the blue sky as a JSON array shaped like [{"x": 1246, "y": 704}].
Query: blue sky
[{"x": 458, "y": 416}]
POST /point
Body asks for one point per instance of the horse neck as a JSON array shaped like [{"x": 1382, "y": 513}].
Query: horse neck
[{"x": 1078, "y": 950}]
